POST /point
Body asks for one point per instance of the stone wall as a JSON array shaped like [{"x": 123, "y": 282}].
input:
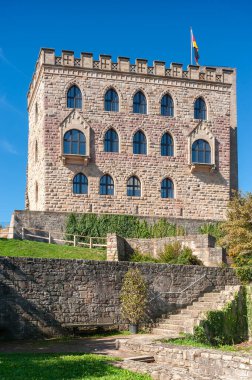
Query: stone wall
[
  {"x": 56, "y": 221},
  {"x": 201, "y": 194},
  {"x": 37, "y": 296},
  {"x": 202, "y": 246},
  {"x": 188, "y": 362}
]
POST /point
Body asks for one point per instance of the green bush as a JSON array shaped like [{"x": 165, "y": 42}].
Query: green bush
[
  {"x": 174, "y": 253},
  {"x": 213, "y": 229},
  {"x": 137, "y": 257},
  {"x": 123, "y": 225},
  {"x": 226, "y": 326}
]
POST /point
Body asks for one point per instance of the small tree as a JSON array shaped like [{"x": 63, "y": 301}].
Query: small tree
[
  {"x": 238, "y": 228},
  {"x": 133, "y": 296}
]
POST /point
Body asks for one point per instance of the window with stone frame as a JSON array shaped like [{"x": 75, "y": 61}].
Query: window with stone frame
[
  {"x": 167, "y": 145},
  {"x": 139, "y": 143},
  {"x": 80, "y": 184},
  {"x": 201, "y": 152},
  {"x": 74, "y": 97},
  {"x": 139, "y": 103},
  {"x": 111, "y": 141},
  {"x": 106, "y": 185},
  {"x": 74, "y": 142},
  {"x": 167, "y": 188},
  {"x": 133, "y": 187},
  {"x": 167, "y": 107},
  {"x": 200, "y": 110},
  {"x": 111, "y": 101}
]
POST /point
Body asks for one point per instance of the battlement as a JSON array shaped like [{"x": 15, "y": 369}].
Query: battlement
[{"x": 86, "y": 61}]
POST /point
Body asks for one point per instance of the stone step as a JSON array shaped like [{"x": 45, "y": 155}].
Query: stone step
[
  {"x": 167, "y": 333},
  {"x": 174, "y": 328}
]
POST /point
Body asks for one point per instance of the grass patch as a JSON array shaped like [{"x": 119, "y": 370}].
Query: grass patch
[
  {"x": 25, "y": 248},
  {"x": 62, "y": 367},
  {"x": 189, "y": 341}
]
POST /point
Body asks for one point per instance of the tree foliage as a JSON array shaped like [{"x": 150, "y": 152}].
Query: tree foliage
[
  {"x": 238, "y": 229},
  {"x": 133, "y": 296}
]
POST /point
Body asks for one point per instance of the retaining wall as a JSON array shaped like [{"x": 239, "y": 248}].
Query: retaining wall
[
  {"x": 203, "y": 246},
  {"x": 190, "y": 362},
  {"x": 37, "y": 296},
  {"x": 56, "y": 221}
]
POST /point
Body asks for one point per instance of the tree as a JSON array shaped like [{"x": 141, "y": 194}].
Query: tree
[
  {"x": 238, "y": 228},
  {"x": 133, "y": 296}
]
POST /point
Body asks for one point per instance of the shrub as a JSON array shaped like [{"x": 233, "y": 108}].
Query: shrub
[
  {"x": 137, "y": 257},
  {"x": 174, "y": 253},
  {"x": 133, "y": 296},
  {"x": 213, "y": 229},
  {"x": 226, "y": 326}
]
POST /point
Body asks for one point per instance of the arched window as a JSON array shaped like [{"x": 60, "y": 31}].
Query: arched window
[
  {"x": 111, "y": 101},
  {"x": 74, "y": 142},
  {"x": 167, "y": 188},
  {"x": 139, "y": 143},
  {"x": 200, "y": 109},
  {"x": 106, "y": 185},
  {"x": 167, "y": 146},
  {"x": 80, "y": 184},
  {"x": 111, "y": 141},
  {"x": 133, "y": 187},
  {"x": 167, "y": 105},
  {"x": 201, "y": 152},
  {"x": 139, "y": 103},
  {"x": 74, "y": 98}
]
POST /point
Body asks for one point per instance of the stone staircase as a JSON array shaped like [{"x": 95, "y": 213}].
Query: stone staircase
[{"x": 174, "y": 325}]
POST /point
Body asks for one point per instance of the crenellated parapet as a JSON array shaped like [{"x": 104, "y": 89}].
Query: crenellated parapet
[{"x": 123, "y": 65}]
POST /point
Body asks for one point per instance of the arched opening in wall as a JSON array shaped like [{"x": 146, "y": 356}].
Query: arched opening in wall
[
  {"x": 139, "y": 103},
  {"x": 111, "y": 141},
  {"x": 36, "y": 192},
  {"x": 74, "y": 97},
  {"x": 36, "y": 151},
  {"x": 201, "y": 152},
  {"x": 111, "y": 101},
  {"x": 200, "y": 110}
]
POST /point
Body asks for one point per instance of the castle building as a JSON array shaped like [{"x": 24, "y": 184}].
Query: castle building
[{"x": 116, "y": 137}]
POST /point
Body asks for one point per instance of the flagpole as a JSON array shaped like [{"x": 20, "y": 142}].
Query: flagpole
[{"x": 191, "y": 42}]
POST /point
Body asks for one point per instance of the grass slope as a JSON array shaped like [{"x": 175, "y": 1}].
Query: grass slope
[
  {"x": 62, "y": 367},
  {"x": 25, "y": 248}
]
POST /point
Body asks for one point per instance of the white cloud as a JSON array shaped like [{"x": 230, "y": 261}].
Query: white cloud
[{"x": 7, "y": 147}]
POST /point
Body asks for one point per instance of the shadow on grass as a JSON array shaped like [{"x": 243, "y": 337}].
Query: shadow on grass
[{"x": 61, "y": 367}]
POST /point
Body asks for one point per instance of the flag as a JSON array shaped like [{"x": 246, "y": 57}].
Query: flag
[{"x": 195, "y": 48}]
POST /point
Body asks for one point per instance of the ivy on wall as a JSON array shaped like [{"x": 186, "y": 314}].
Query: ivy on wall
[{"x": 123, "y": 225}]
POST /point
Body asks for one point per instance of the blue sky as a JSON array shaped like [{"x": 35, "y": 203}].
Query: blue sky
[{"x": 155, "y": 30}]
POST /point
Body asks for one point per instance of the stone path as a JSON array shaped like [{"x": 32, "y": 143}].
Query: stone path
[{"x": 104, "y": 346}]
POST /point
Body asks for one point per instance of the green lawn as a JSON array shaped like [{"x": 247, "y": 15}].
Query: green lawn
[
  {"x": 62, "y": 367},
  {"x": 184, "y": 341},
  {"x": 25, "y": 248}
]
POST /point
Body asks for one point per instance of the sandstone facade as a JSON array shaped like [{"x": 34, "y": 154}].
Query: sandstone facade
[{"x": 198, "y": 194}]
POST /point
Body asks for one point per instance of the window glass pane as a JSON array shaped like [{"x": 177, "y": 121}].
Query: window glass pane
[
  {"x": 74, "y": 98},
  {"x": 201, "y": 152},
  {"x": 139, "y": 103},
  {"x": 139, "y": 143},
  {"x": 111, "y": 101}
]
